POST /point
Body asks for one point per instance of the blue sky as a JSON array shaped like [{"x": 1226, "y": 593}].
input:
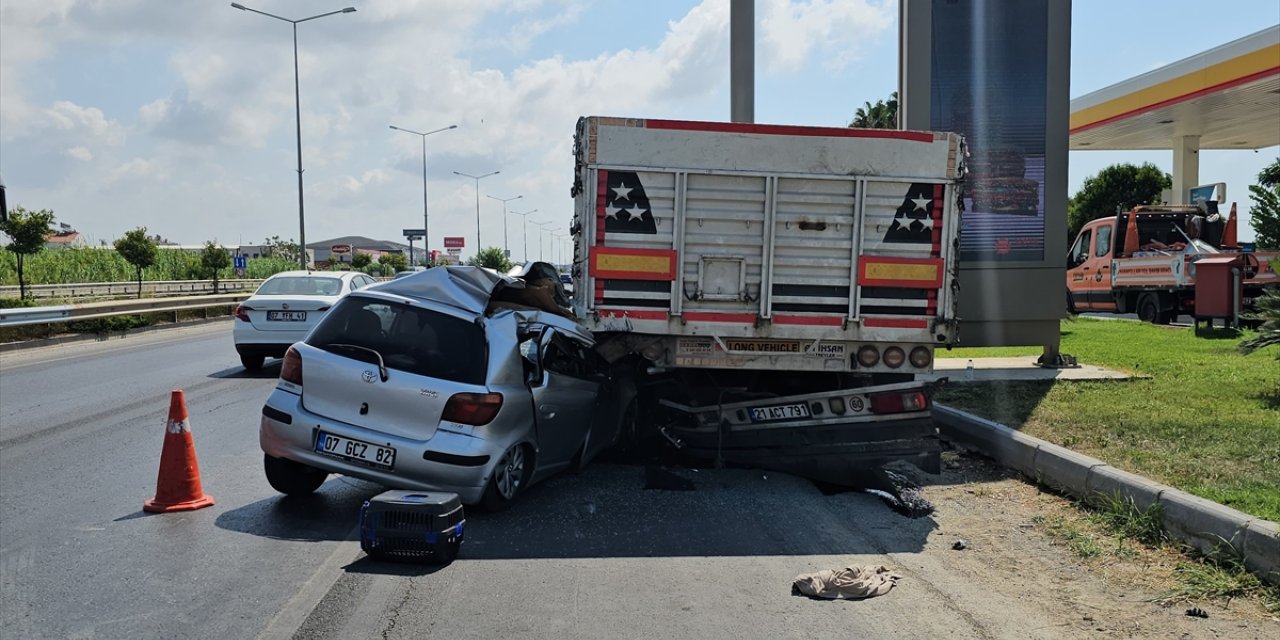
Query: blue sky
[{"x": 178, "y": 116}]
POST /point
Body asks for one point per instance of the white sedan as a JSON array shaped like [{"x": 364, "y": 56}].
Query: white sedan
[{"x": 285, "y": 308}]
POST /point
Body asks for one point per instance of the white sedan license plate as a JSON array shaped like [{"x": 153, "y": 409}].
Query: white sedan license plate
[
  {"x": 287, "y": 316},
  {"x": 349, "y": 449},
  {"x": 779, "y": 412}
]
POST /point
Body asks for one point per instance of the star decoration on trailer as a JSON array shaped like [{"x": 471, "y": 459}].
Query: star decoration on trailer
[
  {"x": 626, "y": 207},
  {"x": 912, "y": 222}
]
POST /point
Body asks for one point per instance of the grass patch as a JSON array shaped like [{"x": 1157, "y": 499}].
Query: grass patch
[{"x": 1206, "y": 421}]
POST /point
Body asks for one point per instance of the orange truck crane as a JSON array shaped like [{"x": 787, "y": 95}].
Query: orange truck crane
[{"x": 1145, "y": 260}]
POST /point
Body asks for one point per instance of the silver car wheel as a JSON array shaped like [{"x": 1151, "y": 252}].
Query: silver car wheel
[{"x": 510, "y": 472}]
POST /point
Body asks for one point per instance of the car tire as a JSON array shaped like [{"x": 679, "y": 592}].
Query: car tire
[
  {"x": 292, "y": 478},
  {"x": 1149, "y": 309},
  {"x": 252, "y": 363},
  {"x": 1071, "y": 303},
  {"x": 508, "y": 480}
]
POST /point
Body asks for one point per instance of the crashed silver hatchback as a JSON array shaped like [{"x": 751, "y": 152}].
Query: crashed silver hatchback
[{"x": 453, "y": 379}]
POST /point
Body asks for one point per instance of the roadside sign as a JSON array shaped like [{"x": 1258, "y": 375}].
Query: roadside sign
[
  {"x": 454, "y": 251},
  {"x": 240, "y": 262},
  {"x": 507, "y": 253},
  {"x": 340, "y": 248},
  {"x": 413, "y": 234},
  {"x": 454, "y": 242}
]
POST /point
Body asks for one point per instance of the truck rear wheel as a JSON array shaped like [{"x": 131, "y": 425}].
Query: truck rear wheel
[{"x": 1148, "y": 308}]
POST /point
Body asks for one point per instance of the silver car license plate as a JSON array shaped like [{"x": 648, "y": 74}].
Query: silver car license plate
[
  {"x": 287, "y": 316},
  {"x": 779, "y": 412},
  {"x": 350, "y": 449}
]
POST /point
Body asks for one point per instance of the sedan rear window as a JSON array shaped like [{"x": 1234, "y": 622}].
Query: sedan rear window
[
  {"x": 407, "y": 338},
  {"x": 300, "y": 286}
]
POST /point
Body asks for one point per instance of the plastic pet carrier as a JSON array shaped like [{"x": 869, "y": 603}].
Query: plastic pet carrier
[{"x": 423, "y": 526}]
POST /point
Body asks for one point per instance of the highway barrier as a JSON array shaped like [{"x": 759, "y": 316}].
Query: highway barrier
[
  {"x": 150, "y": 288},
  {"x": 67, "y": 313}
]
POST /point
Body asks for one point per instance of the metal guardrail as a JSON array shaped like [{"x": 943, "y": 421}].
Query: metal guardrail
[
  {"x": 151, "y": 288},
  {"x": 90, "y": 310}
]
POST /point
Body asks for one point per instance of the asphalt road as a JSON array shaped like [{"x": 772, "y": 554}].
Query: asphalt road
[
  {"x": 594, "y": 555},
  {"x": 81, "y": 428}
]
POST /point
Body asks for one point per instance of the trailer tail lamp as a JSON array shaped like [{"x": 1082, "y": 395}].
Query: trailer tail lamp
[
  {"x": 894, "y": 357},
  {"x": 837, "y": 406},
  {"x": 899, "y": 402},
  {"x": 291, "y": 368},
  {"x": 921, "y": 357},
  {"x": 868, "y": 356}
]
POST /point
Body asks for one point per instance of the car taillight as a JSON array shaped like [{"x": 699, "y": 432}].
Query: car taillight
[
  {"x": 899, "y": 402},
  {"x": 291, "y": 368},
  {"x": 476, "y": 409},
  {"x": 242, "y": 312}
]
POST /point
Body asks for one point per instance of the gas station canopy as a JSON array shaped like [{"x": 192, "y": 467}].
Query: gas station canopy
[{"x": 1225, "y": 98}]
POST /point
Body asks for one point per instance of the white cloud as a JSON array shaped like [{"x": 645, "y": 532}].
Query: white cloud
[
  {"x": 80, "y": 153},
  {"x": 137, "y": 168},
  {"x": 836, "y": 30},
  {"x": 84, "y": 121}
]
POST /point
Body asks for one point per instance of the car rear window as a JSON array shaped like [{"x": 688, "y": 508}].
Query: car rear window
[
  {"x": 408, "y": 338},
  {"x": 300, "y": 286}
]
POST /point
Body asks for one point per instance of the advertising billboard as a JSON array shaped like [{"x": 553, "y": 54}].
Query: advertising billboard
[{"x": 454, "y": 242}]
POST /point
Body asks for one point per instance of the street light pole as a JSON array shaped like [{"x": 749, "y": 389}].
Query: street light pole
[
  {"x": 426, "y": 222},
  {"x": 524, "y": 230},
  {"x": 505, "y": 247},
  {"x": 297, "y": 112},
  {"x": 542, "y": 227},
  {"x": 477, "y": 179}
]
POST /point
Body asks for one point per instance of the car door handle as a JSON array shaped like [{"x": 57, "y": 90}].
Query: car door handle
[{"x": 549, "y": 410}]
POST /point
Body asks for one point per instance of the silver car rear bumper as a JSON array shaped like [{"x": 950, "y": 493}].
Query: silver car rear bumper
[{"x": 471, "y": 460}]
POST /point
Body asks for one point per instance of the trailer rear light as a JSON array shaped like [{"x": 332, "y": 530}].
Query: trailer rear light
[
  {"x": 894, "y": 357},
  {"x": 837, "y": 406},
  {"x": 242, "y": 312},
  {"x": 899, "y": 402},
  {"x": 291, "y": 368},
  {"x": 476, "y": 409},
  {"x": 921, "y": 357},
  {"x": 868, "y": 356}
]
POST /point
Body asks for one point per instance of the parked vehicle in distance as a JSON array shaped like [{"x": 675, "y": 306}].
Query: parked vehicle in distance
[
  {"x": 458, "y": 379},
  {"x": 408, "y": 272},
  {"x": 284, "y": 308}
]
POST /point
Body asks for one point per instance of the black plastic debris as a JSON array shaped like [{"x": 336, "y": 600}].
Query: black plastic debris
[
  {"x": 902, "y": 495},
  {"x": 416, "y": 526},
  {"x": 1197, "y": 612},
  {"x": 960, "y": 544}
]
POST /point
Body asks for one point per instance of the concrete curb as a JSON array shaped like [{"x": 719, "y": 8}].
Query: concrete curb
[
  {"x": 1189, "y": 519},
  {"x": 103, "y": 337}
]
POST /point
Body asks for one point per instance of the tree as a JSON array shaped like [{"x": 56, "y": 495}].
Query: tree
[
  {"x": 139, "y": 250},
  {"x": 360, "y": 260},
  {"x": 214, "y": 258},
  {"x": 1269, "y": 332},
  {"x": 493, "y": 258},
  {"x": 881, "y": 115},
  {"x": 1121, "y": 186},
  {"x": 1264, "y": 216},
  {"x": 274, "y": 247},
  {"x": 27, "y": 231},
  {"x": 393, "y": 262}
]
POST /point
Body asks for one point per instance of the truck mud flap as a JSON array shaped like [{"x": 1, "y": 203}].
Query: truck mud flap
[{"x": 837, "y": 454}]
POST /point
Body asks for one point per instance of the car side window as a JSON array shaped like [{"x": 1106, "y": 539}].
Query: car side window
[
  {"x": 1104, "y": 242},
  {"x": 1080, "y": 252},
  {"x": 567, "y": 357}
]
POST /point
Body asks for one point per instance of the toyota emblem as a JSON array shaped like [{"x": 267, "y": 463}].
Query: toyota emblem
[
  {"x": 368, "y": 376},
  {"x": 284, "y": 306}
]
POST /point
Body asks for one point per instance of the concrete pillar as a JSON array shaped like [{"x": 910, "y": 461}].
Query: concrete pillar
[
  {"x": 1186, "y": 166},
  {"x": 742, "y": 61}
]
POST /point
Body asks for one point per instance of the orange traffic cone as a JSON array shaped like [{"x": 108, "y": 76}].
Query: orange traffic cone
[
  {"x": 1131, "y": 234},
  {"x": 178, "y": 485},
  {"x": 1229, "y": 232}
]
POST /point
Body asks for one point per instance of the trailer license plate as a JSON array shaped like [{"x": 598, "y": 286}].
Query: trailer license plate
[
  {"x": 287, "y": 316},
  {"x": 349, "y": 449},
  {"x": 779, "y": 412}
]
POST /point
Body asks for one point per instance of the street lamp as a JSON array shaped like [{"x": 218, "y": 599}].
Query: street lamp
[
  {"x": 297, "y": 111},
  {"x": 542, "y": 226},
  {"x": 426, "y": 224},
  {"x": 524, "y": 228},
  {"x": 477, "y": 179},
  {"x": 560, "y": 248},
  {"x": 505, "y": 247}
]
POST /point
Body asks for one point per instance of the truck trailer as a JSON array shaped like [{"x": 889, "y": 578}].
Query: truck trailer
[{"x": 770, "y": 294}]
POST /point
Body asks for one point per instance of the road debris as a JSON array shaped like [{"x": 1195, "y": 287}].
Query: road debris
[
  {"x": 1197, "y": 612},
  {"x": 850, "y": 583},
  {"x": 960, "y": 544}
]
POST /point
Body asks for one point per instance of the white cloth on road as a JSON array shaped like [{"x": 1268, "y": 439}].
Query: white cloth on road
[{"x": 850, "y": 583}]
